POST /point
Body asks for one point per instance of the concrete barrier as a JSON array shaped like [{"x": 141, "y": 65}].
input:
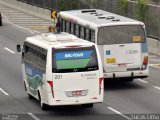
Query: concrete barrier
[{"x": 153, "y": 46}]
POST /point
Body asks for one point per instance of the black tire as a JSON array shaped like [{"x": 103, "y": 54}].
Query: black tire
[
  {"x": 30, "y": 96},
  {"x": 43, "y": 106},
  {"x": 25, "y": 86},
  {"x": 127, "y": 80},
  {"x": 0, "y": 20},
  {"x": 87, "y": 105}
]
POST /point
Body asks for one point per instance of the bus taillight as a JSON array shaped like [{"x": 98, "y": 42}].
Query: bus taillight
[
  {"x": 145, "y": 63},
  {"x": 51, "y": 85},
  {"x": 100, "y": 84},
  {"x": 145, "y": 60}
]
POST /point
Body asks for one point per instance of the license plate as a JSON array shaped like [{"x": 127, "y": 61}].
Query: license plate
[
  {"x": 111, "y": 60},
  {"x": 122, "y": 65},
  {"x": 76, "y": 93},
  {"x": 136, "y": 38}
]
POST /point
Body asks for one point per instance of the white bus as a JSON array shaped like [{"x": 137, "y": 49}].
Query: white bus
[
  {"x": 121, "y": 41},
  {"x": 61, "y": 69}
]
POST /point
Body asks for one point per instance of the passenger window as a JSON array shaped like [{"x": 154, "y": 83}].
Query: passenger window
[
  {"x": 92, "y": 36},
  {"x": 64, "y": 26},
  {"x": 72, "y": 28},
  {"x": 87, "y": 34},
  {"x": 82, "y": 32},
  {"x": 61, "y": 24},
  {"x": 68, "y": 27},
  {"x": 77, "y": 30}
]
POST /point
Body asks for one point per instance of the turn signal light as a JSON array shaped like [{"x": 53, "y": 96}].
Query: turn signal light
[
  {"x": 51, "y": 85},
  {"x": 100, "y": 84}
]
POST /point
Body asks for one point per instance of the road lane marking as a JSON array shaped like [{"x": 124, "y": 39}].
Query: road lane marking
[
  {"x": 9, "y": 50},
  {"x": 119, "y": 113},
  {"x": 33, "y": 116},
  {"x": 155, "y": 60},
  {"x": 157, "y": 87},
  {"x": 143, "y": 81},
  {"x": 152, "y": 56},
  {"x": 32, "y": 31},
  {"x": 157, "y": 66},
  {"x": 4, "y": 92}
]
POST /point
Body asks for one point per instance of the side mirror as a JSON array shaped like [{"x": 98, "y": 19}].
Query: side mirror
[{"x": 18, "y": 48}]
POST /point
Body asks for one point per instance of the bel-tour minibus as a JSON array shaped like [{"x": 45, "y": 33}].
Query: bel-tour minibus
[
  {"x": 121, "y": 40},
  {"x": 61, "y": 69}
]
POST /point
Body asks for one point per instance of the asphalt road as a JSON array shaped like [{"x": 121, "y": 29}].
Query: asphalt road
[{"x": 121, "y": 100}]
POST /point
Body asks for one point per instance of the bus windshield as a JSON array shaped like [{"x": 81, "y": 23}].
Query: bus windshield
[
  {"x": 121, "y": 34},
  {"x": 74, "y": 60}
]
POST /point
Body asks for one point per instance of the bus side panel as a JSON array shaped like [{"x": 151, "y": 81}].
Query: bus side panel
[{"x": 33, "y": 79}]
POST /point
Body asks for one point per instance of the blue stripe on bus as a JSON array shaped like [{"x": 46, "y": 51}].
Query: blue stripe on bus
[
  {"x": 144, "y": 47},
  {"x": 32, "y": 71},
  {"x": 73, "y": 55}
]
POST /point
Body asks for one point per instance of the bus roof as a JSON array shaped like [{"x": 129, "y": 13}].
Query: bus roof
[
  {"x": 57, "y": 40},
  {"x": 97, "y": 18}
]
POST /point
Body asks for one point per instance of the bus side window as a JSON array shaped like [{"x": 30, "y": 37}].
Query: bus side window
[
  {"x": 41, "y": 60},
  {"x": 82, "y": 32},
  {"x": 68, "y": 28},
  {"x": 61, "y": 24},
  {"x": 92, "y": 36},
  {"x": 72, "y": 28},
  {"x": 64, "y": 25},
  {"x": 24, "y": 53},
  {"x": 87, "y": 35},
  {"x": 77, "y": 30}
]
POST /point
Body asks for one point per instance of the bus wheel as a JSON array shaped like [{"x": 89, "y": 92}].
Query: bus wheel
[
  {"x": 88, "y": 105},
  {"x": 127, "y": 79},
  {"x": 0, "y": 20},
  {"x": 25, "y": 86},
  {"x": 30, "y": 96},
  {"x": 43, "y": 106}
]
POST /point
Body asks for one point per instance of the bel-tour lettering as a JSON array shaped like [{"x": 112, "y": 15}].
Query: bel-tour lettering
[{"x": 74, "y": 55}]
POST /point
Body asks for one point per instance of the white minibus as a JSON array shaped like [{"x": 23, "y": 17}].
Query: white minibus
[{"x": 61, "y": 69}]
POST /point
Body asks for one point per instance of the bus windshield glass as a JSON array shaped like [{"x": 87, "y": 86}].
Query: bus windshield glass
[
  {"x": 74, "y": 60},
  {"x": 121, "y": 34}
]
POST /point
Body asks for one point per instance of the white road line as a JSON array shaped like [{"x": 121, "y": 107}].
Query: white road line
[
  {"x": 9, "y": 50},
  {"x": 32, "y": 31},
  {"x": 152, "y": 56},
  {"x": 119, "y": 113},
  {"x": 4, "y": 92},
  {"x": 143, "y": 81},
  {"x": 33, "y": 116},
  {"x": 154, "y": 65},
  {"x": 157, "y": 87},
  {"x": 155, "y": 60}
]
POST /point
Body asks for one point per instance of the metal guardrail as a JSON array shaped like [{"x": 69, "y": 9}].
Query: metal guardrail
[
  {"x": 46, "y": 4},
  {"x": 53, "y": 4},
  {"x": 153, "y": 13}
]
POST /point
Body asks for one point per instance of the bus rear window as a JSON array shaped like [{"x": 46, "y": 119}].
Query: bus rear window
[
  {"x": 121, "y": 34},
  {"x": 74, "y": 60}
]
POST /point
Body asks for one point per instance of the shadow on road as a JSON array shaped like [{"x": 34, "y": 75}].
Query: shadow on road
[{"x": 120, "y": 85}]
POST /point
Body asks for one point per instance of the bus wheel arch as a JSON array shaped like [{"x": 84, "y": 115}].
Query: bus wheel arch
[{"x": 43, "y": 105}]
